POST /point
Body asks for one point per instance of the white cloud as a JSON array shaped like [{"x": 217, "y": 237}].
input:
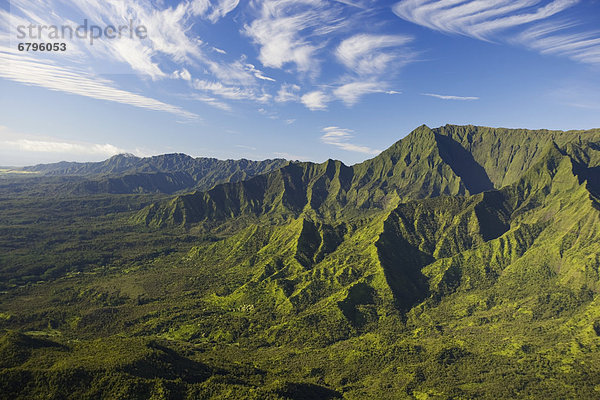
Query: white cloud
[
  {"x": 292, "y": 31},
  {"x": 171, "y": 44},
  {"x": 356, "y": 4},
  {"x": 350, "y": 93},
  {"x": 525, "y": 22},
  {"x": 185, "y": 75},
  {"x": 24, "y": 69},
  {"x": 168, "y": 29},
  {"x": 235, "y": 73},
  {"x": 19, "y": 149},
  {"x": 212, "y": 102},
  {"x": 199, "y": 7},
  {"x": 340, "y": 137},
  {"x": 212, "y": 10},
  {"x": 477, "y": 18},
  {"x": 363, "y": 53},
  {"x": 239, "y": 72},
  {"x": 446, "y": 97},
  {"x": 288, "y": 92},
  {"x": 222, "y": 8},
  {"x": 19, "y": 142},
  {"x": 41, "y": 146},
  {"x": 230, "y": 92},
  {"x": 316, "y": 100},
  {"x": 268, "y": 113},
  {"x": 258, "y": 73},
  {"x": 545, "y": 38},
  {"x": 374, "y": 58},
  {"x": 168, "y": 32},
  {"x": 138, "y": 56}
]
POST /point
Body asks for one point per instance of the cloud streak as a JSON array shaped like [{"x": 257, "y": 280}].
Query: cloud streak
[
  {"x": 169, "y": 42},
  {"x": 230, "y": 92},
  {"x": 43, "y": 146},
  {"x": 13, "y": 141},
  {"x": 316, "y": 100},
  {"x": 553, "y": 39},
  {"x": 530, "y": 23},
  {"x": 350, "y": 93},
  {"x": 363, "y": 53},
  {"x": 24, "y": 69},
  {"x": 212, "y": 101},
  {"x": 477, "y": 18},
  {"x": 447, "y": 97},
  {"x": 340, "y": 137},
  {"x": 292, "y": 31},
  {"x": 291, "y": 36}
]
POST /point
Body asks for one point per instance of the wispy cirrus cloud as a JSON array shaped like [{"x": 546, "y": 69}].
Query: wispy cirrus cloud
[
  {"x": 213, "y": 10},
  {"x": 11, "y": 141},
  {"x": 167, "y": 31},
  {"x": 291, "y": 36},
  {"x": 288, "y": 92},
  {"x": 368, "y": 54},
  {"x": 558, "y": 40},
  {"x": 372, "y": 60},
  {"x": 24, "y": 69},
  {"x": 292, "y": 31},
  {"x": 341, "y": 137},
  {"x": 45, "y": 146},
  {"x": 477, "y": 18},
  {"x": 169, "y": 40},
  {"x": 531, "y": 23},
  {"x": 211, "y": 101},
  {"x": 230, "y": 92},
  {"x": 449, "y": 97},
  {"x": 258, "y": 73},
  {"x": 295, "y": 33},
  {"x": 182, "y": 74},
  {"x": 350, "y": 93},
  {"x": 316, "y": 100},
  {"x": 358, "y": 4}
]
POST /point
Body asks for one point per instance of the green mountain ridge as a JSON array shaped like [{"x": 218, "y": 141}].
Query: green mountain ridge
[
  {"x": 462, "y": 262},
  {"x": 427, "y": 163},
  {"x": 126, "y": 174},
  {"x": 323, "y": 188}
]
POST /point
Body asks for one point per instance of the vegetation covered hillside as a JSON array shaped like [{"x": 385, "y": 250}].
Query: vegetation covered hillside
[
  {"x": 127, "y": 174},
  {"x": 463, "y": 262}
]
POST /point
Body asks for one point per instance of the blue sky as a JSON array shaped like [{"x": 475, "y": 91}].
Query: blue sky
[{"x": 305, "y": 79}]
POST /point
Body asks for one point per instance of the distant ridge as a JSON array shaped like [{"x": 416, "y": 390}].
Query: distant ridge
[{"x": 167, "y": 173}]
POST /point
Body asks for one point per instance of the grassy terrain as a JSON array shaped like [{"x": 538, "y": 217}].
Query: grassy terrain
[{"x": 420, "y": 274}]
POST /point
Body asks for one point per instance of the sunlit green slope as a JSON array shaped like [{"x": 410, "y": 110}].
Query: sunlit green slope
[{"x": 462, "y": 262}]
